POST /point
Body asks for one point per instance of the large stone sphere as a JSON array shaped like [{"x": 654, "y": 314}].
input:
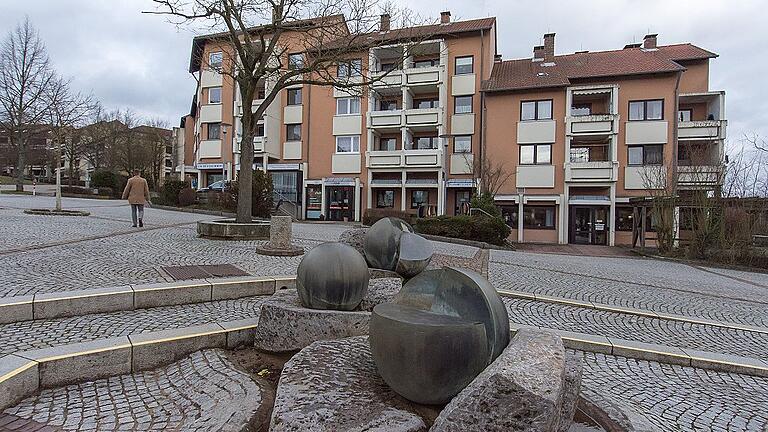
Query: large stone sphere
[
  {"x": 426, "y": 357},
  {"x": 382, "y": 242},
  {"x": 332, "y": 276}
]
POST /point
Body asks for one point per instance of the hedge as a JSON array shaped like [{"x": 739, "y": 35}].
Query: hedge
[
  {"x": 371, "y": 216},
  {"x": 478, "y": 228}
]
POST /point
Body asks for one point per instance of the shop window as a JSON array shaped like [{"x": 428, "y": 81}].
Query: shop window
[
  {"x": 539, "y": 217},
  {"x": 510, "y": 213},
  {"x": 419, "y": 198},
  {"x": 385, "y": 199},
  {"x": 463, "y": 199},
  {"x": 624, "y": 218}
]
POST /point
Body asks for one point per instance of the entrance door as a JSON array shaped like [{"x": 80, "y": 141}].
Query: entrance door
[
  {"x": 340, "y": 202},
  {"x": 589, "y": 225}
]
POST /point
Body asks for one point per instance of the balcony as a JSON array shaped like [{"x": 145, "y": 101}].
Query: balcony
[
  {"x": 392, "y": 79},
  {"x": 703, "y": 129},
  {"x": 699, "y": 176},
  {"x": 432, "y": 158},
  {"x": 594, "y": 124},
  {"x": 385, "y": 119},
  {"x": 423, "y": 117},
  {"x": 430, "y": 75},
  {"x": 259, "y": 144},
  {"x": 596, "y": 171}
]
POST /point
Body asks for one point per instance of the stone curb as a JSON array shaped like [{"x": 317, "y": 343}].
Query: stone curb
[
  {"x": 131, "y": 297},
  {"x": 658, "y": 353},
  {"x": 473, "y": 243},
  {"x": 630, "y": 311},
  {"x": 24, "y": 373},
  {"x": 193, "y": 210}
]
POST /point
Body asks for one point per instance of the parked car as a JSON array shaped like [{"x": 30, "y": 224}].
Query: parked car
[{"x": 217, "y": 186}]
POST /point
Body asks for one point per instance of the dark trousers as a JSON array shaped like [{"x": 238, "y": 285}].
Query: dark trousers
[{"x": 137, "y": 212}]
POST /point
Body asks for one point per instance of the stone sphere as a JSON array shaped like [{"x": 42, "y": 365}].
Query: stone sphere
[
  {"x": 423, "y": 356},
  {"x": 382, "y": 242},
  {"x": 332, "y": 276}
]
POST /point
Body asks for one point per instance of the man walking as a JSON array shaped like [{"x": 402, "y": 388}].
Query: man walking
[{"x": 137, "y": 194}]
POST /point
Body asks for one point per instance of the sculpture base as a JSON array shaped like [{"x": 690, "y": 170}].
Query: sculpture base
[
  {"x": 228, "y": 229},
  {"x": 292, "y": 251}
]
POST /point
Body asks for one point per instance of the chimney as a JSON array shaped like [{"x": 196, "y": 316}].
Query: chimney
[
  {"x": 649, "y": 41},
  {"x": 445, "y": 17},
  {"x": 497, "y": 58},
  {"x": 384, "y": 25},
  {"x": 549, "y": 47},
  {"x": 538, "y": 53}
]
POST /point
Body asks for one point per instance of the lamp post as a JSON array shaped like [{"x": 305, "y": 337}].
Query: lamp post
[{"x": 223, "y": 142}]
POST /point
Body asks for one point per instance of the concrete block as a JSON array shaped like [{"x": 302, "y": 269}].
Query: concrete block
[
  {"x": 15, "y": 309},
  {"x": 238, "y": 287},
  {"x": 173, "y": 293},
  {"x": 584, "y": 342},
  {"x": 19, "y": 378},
  {"x": 285, "y": 282},
  {"x": 727, "y": 363},
  {"x": 650, "y": 352},
  {"x": 152, "y": 350},
  {"x": 66, "y": 364},
  {"x": 83, "y": 302},
  {"x": 240, "y": 332}
]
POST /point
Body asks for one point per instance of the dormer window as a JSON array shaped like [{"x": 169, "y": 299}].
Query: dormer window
[{"x": 215, "y": 59}]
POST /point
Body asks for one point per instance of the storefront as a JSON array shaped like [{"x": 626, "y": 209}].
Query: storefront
[
  {"x": 333, "y": 198},
  {"x": 209, "y": 173},
  {"x": 458, "y": 196},
  {"x": 589, "y": 224}
]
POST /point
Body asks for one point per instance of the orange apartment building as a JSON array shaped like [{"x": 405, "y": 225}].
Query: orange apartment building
[{"x": 580, "y": 134}]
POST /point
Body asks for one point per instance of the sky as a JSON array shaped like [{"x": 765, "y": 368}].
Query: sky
[{"x": 139, "y": 61}]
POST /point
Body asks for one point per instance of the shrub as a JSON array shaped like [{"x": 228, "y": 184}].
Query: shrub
[
  {"x": 76, "y": 190},
  {"x": 371, "y": 216},
  {"x": 103, "y": 178},
  {"x": 186, "y": 197},
  {"x": 261, "y": 195},
  {"x": 478, "y": 228},
  {"x": 485, "y": 202},
  {"x": 169, "y": 194}
]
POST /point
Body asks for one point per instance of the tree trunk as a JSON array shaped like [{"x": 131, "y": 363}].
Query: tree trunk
[
  {"x": 20, "y": 162},
  {"x": 245, "y": 175}
]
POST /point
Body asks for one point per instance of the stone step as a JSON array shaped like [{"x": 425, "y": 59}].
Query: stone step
[{"x": 133, "y": 297}]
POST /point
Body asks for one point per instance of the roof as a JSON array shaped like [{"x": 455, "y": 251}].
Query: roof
[
  {"x": 198, "y": 43},
  {"x": 524, "y": 74}
]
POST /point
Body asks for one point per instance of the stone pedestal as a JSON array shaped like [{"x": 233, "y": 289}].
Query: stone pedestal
[{"x": 280, "y": 228}]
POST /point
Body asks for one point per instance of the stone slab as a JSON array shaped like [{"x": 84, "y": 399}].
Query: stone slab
[
  {"x": 83, "y": 302},
  {"x": 284, "y": 325},
  {"x": 152, "y": 350},
  {"x": 240, "y": 332},
  {"x": 571, "y": 390},
  {"x": 285, "y": 282},
  {"x": 584, "y": 341},
  {"x": 334, "y": 386},
  {"x": 650, "y": 352},
  {"x": 727, "y": 363},
  {"x": 239, "y": 287},
  {"x": 522, "y": 390},
  {"x": 19, "y": 378},
  {"x": 15, "y": 309},
  {"x": 169, "y": 294},
  {"x": 66, "y": 364}
]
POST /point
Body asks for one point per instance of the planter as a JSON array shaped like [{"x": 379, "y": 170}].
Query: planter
[
  {"x": 51, "y": 212},
  {"x": 228, "y": 229}
]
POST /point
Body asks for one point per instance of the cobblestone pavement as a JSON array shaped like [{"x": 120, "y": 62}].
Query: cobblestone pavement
[
  {"x": 202, "y": 392},
  {"x": 638, "y": 328},
  {"x": 678, "y": 398},
  {"x": 27, "y": 335},
  {"x": 542, "y": 280}
]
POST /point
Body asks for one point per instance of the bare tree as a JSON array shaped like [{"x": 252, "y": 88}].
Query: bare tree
[
  {"x": 25, "y": 78},
  {"x": 490, "y": 176},
  {"x": 67, "y": 111},
  {"x": 297, "y": 42}
]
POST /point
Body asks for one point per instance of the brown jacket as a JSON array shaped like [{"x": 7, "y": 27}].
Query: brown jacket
[{"x": 136, "y": 191}]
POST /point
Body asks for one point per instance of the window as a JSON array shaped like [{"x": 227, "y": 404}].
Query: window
[
  {"x": 293, "y": 132},
  {"x": 536, "y": 110},
  {"x": 214, "y": 131},
  {"x": 419, "y": 198},
  {"x": 463, "y": 65},
  {"x": 582, "y": 109},
  {"x": 261, "y": 91},
  {"x": 509, "y": 214},
  {"x": 538, "y": 154},
  {"x": 424, "y": 143},
  {"x": 539, "y": 217},
  {"x": 352, "y": 68},
  {"x": 426, "y": 63},
  {"x": 624, "y": 218},
  {"x": 463, "y": 199},
  {"x": 295, "y": 61},
  {"x": 646, "y": 110},
  {"x": 215, "y": 59},
  {"x": 650, "y": 154},
  {"x": 294, "y": 96},
  {"x": 389, "y": 66},
  {"x": 387, "y": 144},
  {"x": 350, "y": 105},
  {"x": 385, "y": 199},
  {"x": 462, "y": 104},
  {"x": 388, "y": 105},
  {"x": 684, "y": 115},
  {"x": 462, "y": 144},
  {"x": 426, "y": 103},
  {"x": 260, "y": 129},
  {"x": 348, "y": 144},
  {"x": 214, "y": 95}
]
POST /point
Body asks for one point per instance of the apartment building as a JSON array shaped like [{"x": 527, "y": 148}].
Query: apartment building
[{"x": 581, "y": 135}]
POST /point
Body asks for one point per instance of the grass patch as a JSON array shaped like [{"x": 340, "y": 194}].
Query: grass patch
[
  {"x": 14, "y": 192},
  {"x": 5, "y": 180}
]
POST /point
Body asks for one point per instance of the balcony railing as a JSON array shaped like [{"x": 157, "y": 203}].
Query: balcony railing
[
  {"x": 594, "y": 171},
  {"x": 423, "y": 117},
  {"x": 392, "y": 79},
  {"x": 258, "y": 144},
  {"x": 404, "y": 159},
  {"x": 702, "y": 129},
  {"x": 592, "y": 124},
  {"x": 423, "y": 75},
  {"x": 699, "y": 175},
  {"x": 385, "y": 119}
]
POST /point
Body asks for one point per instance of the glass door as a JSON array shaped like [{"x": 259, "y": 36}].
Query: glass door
[
  {"x": 581, "y": 225},
  {"x": 341, "y": 203}
]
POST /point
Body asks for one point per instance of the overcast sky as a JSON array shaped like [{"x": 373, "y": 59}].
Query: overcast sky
[{"x": 130, "y": 59}]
